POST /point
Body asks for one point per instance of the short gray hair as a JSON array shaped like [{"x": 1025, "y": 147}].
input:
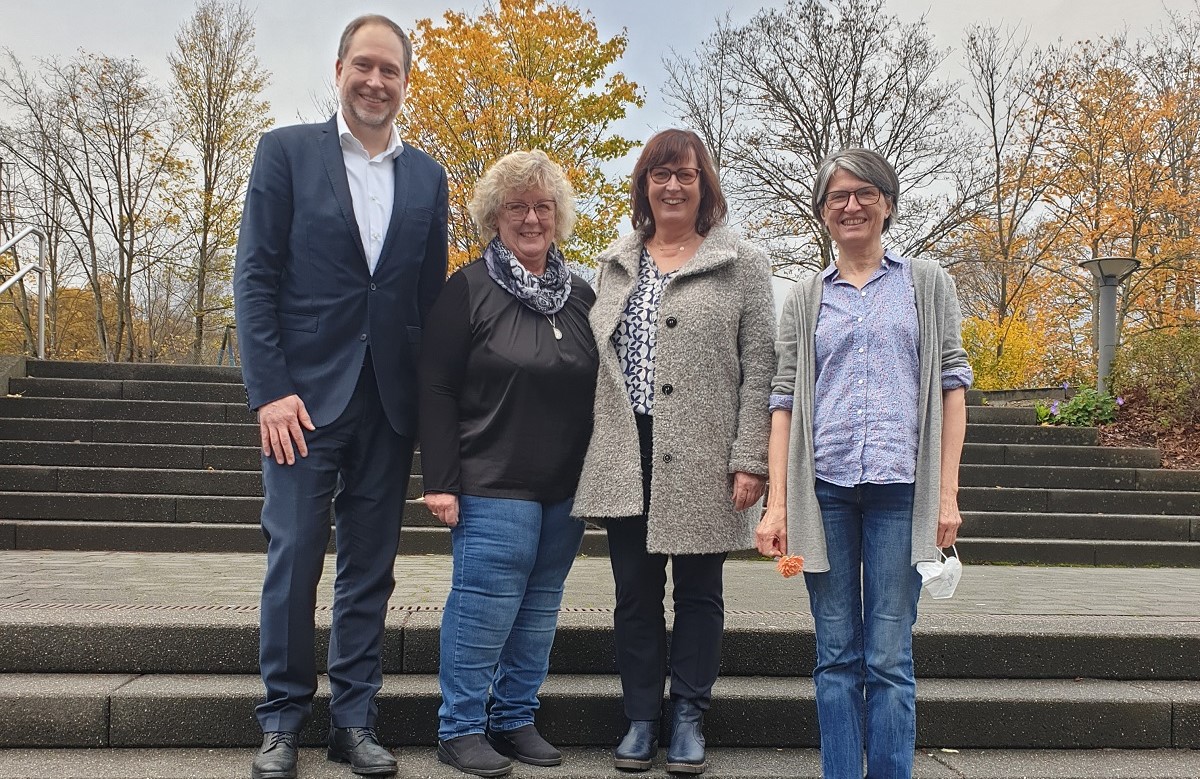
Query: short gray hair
[
  {"x": 870, "y": 166},
  {"x": 518, "y": 172},
  {"x": 362, "y": 21}
]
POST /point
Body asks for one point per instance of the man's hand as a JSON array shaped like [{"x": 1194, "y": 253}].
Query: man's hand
[
  {"x": 747, "y": 489},
  {"x": 444, "y": 506},
  {"x": 282, "y": 423}
]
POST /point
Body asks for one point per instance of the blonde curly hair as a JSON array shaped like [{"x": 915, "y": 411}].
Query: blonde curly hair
[{"x": 517, "y": 172}]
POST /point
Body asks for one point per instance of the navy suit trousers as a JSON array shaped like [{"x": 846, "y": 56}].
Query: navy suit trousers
[{"x": 360, "y": 465}]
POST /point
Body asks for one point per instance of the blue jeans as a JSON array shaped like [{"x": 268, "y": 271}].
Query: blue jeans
[
  {"x": 864, "y": 608},
  {"x": 511, "y": 558}
]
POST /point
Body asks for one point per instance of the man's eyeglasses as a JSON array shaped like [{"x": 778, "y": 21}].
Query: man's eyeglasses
[
  {"x": 866, "y": 196},
  {"x": 542, "y": 208},
  {"x": 685, "y": 176}
]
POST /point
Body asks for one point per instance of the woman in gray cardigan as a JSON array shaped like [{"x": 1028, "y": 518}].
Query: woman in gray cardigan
[
  {"x": 684, "y": 322},
  {"x": 868, "y": 419}
]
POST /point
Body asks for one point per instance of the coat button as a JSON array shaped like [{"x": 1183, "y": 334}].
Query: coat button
[
  {"x": 668, "y": 389},
  {"x": 362, "y": 337},
  {"x": 372, "y": 286},
  {"x": 667, "y": 458},
  {"x": 672, "y": 321}
]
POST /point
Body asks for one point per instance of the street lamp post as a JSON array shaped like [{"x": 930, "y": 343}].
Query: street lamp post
[{"x": 1109, "y": 272}]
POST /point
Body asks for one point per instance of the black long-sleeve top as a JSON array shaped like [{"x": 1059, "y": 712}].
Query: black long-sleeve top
[{"x": 506, "y": 408}]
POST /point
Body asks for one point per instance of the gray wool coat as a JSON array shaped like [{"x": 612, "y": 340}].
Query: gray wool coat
[{"x": 719, "y": 359}]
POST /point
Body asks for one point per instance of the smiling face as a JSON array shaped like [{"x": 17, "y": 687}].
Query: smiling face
[
  {"x": 675, "y": 205},
  {"x": 854, "y": 226},
  {"x": 370, "y": 79},
  {"x": 523, "y": 231}
]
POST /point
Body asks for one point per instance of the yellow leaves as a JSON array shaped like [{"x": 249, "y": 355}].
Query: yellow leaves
[{"x": 528, "y": 74}]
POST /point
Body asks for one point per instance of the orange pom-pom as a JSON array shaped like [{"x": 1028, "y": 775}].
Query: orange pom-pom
[{"x": 789, "y": 565}]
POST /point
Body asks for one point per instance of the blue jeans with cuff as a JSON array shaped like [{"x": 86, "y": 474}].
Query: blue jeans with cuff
[
  {"x": 511, "y": 558},
  {"x": 864, "y": 608}
]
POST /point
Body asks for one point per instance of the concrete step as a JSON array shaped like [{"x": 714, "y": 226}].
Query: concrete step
[
  {"x": 68, "y": 369},
  {"x": 141, "y": 481},
  {"x": 149, "y": 639},
  {"x": 112, "y": 389},
  {"x": 1079, "y": 456},
  {"x": 1102, "y": 527},
  {"x": 426, "y": 538},
  {"x": 596, "y": 763},
  {"x": 118, "y": 455},
  {"x": 1043, "y": 435},
  {"x": 1053, "y": 551},
  {"x": 135, "y": 431},
  {"x": 1001, "y": 415},
  {"x": 123, "y": 710},
  {"x": 1016, "y": 499},
  {"x": 1079, "y": 478},
  {"x": 152, "y": 508},
  {"x": 156, "y": 410}
]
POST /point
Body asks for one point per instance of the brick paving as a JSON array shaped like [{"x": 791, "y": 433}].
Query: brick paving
[{"x": 30, "y": 578}]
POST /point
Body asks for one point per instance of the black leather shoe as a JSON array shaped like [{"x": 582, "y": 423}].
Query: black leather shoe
[
  {"x": 360, "y": 748},
  {"x": 472, "y": 754},
  {"x": 525, "y": 744},
  {"x": 686, "y": 753},
  {"x": 276, "y": 758},
  {"x": 637, "y": 750}
]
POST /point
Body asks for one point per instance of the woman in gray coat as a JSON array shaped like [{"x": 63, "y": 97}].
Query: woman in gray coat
[{"x": 684, "y": 322}]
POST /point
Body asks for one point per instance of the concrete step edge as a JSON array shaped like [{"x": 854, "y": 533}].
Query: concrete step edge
[
  {"x": 596, "y": 763},
  {"x": 122, "y": 710}
]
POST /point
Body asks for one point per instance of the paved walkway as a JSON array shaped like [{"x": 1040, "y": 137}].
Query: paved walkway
[{"x": 29, "y": 578}]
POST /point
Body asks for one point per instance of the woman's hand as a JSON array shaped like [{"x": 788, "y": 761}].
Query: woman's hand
[
  {"x": 770, "y": 538},
  {"x": 444, "y": 506},
  {"x": 747, "y": 489},
  {"x": 949, "y": 519}
]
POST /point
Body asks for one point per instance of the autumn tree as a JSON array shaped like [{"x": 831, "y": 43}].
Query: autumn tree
[
  {"x": 778, "y": 94},
  {"x": 218, "y": 83},
  {"x": 528, "y": 74},
  {"x": 1006, "y": 257},
  {"x": 97, "y": 132}
]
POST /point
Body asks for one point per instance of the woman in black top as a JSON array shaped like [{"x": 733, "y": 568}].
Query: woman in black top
[{"x": 508, "y": 377}]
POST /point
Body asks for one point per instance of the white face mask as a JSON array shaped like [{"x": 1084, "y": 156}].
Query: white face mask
[{"x": 940, "y": 577}]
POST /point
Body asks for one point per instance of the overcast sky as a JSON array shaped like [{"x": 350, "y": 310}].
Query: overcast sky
[{"x": 297, "y": 39}]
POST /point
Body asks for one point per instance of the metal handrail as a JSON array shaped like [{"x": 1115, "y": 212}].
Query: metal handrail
[
  {"x": 40, "y": 269},
  {"x": 228, "y": 345}
]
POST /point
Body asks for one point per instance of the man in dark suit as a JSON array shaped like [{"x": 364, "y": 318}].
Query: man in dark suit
[{"x": 341, "y": 254}]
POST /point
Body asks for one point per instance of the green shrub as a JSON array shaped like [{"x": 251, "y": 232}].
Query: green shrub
[
  {"x": 1086, "y": 408},
  {"x": 1165, "y": 366}
]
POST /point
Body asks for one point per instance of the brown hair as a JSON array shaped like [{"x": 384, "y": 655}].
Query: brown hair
[
  {"x": 362, "y": 21},
  {"x": 665, "y": 148}
]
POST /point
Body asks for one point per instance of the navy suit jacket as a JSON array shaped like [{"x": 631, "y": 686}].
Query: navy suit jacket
[{"x": 307, "y": 307}]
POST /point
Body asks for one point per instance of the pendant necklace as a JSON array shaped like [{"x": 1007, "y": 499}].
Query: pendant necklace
[{"x": 554, "y": 326}]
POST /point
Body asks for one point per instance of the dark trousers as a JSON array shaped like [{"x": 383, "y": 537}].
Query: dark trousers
[
  {"x": 361, "y": 465},
  {"x": 639, "y": 621}
]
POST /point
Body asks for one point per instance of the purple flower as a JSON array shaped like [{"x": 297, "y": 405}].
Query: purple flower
[
  {"x": 1066, "y": 385},
  {"x": 1054, "y": 408},
  {"x": 1120, "y": 401}
]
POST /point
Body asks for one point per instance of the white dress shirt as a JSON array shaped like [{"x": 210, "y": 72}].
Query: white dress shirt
[{"x": 372, "y": 187}]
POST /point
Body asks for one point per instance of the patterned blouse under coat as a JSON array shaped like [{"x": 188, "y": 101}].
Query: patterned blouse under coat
[{"x": 636, "y": 336}]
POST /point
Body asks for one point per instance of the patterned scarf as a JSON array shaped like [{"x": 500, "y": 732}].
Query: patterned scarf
[{"x": 545, "y": 294}]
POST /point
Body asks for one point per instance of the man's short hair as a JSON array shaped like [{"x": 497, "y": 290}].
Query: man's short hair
[{"x": 362, "y": 21}]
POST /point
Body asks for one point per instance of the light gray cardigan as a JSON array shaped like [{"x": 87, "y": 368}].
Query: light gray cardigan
[
  {"x": 940, "y": 349},
  {"x": 716, "y": 326}
]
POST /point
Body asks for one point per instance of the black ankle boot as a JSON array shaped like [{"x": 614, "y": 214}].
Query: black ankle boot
[
  {"x": 686, "y": 753},
  {"x": 637, "y": 750}
]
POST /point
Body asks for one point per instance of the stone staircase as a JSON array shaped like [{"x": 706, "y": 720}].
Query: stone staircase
[
  {"x": 101, "y": 462},
  {"x": 165, "y": 458}
]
